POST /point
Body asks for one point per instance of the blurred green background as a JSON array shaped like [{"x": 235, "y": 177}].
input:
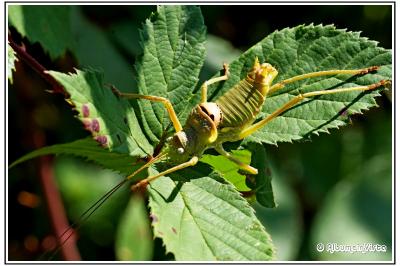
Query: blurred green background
[{"x": 336, "y": 188}]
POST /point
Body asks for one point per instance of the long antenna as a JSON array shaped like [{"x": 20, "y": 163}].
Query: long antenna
[{"x": 86, "y": 215}]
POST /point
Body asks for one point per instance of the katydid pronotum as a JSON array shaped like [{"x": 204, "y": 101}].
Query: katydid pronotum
[{"x": 230, "y": 118}]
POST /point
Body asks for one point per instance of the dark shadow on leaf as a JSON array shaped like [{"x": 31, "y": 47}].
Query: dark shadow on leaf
[
  {"x": 262, "y": 181},
  {"x": 339, "y": 114},
  {"x": 201, "y": 170},
  {"x": 174, "y": 192}
]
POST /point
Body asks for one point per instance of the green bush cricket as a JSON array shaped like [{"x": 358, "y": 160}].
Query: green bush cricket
[{"x": 231, "y": 117}]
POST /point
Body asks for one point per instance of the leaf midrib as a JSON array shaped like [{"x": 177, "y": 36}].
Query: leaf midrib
[{"x": 222, "y": 218}]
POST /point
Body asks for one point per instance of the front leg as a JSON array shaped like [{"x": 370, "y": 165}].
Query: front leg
[
  {"x": 213, "y": 80},
  {"x": 165, "y": 101},
  {"x": 143, "y": 183}
]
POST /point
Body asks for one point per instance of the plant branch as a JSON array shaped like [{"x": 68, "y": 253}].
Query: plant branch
[
  {"x": 35, "y": 65},
  {"x": 55, "y": 207}
]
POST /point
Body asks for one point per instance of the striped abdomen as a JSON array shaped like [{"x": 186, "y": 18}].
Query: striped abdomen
[{"x": 240, "y": 104}]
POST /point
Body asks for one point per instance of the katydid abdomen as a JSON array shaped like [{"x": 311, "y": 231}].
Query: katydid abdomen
[{"x": 240, "y": 104}]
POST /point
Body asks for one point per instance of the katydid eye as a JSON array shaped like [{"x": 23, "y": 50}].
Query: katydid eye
[{"x": 179, "y": 142}]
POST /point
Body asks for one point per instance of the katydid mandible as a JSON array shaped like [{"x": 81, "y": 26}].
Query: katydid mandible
[{"x": 231, "y": 117}]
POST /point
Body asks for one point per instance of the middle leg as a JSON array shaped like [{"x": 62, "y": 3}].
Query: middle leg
[{"x": 229, "y": 156}]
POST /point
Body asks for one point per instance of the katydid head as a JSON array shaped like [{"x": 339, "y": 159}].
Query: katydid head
[
  {"x": 200, "y": 130},
  {"x": 205, "y": 119}
]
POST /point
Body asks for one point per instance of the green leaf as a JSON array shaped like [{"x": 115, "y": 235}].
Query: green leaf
[
  {"x": 218, "y": 51},
  {"x": 134, "y": 239},
  {"x": 88, "y": 149},
  {"x": 10, "y": 62},
  {"x": 93, "y": 49},
  {"x": 262, "y": 181},
  {"x": 260, "y": 184},
  {"x": 126, "y": 35},
  {"x": 111, "y": 121},
  {"x": 304, "y": 49},
  {"x": 228, "y": 169},
  {"x": 173, "y": 53},
  {"x": 200, "y": 216},
  {"x": 48, "y": 25}
]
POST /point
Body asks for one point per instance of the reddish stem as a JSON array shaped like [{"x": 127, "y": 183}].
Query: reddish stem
[{"x": 59, "y": 221}]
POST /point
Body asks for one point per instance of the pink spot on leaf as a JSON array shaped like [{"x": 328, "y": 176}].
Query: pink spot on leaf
[
  {"x": 153, "y": 218},
  {"x": 92, "y": 125},
  {"x": 102, "y": 140},
  {"x": 95, "y": 125},
  {"x": 85, "y": 110}
]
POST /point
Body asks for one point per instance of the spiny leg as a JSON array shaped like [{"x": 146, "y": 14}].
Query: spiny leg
[
  {"x": 165, "y": 101},
  {"x": 251, "y": 129},
  {"x": 361, "y": 71},
  {"x": 144, "y": 182},
  {"x": 229, "y": 156},
  {"x": 213, "y": 80}
]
